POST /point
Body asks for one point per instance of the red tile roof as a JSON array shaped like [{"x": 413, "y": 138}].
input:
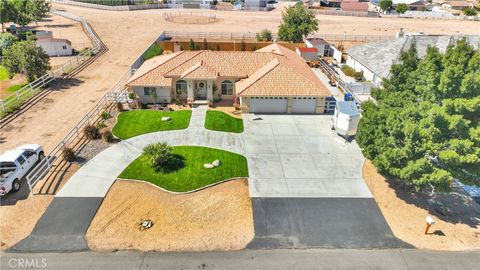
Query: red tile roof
[
  {"x": 307, "y": 50},
  {"x": 354, "y": 6}
]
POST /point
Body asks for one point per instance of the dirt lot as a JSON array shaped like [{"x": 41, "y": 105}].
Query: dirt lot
[
  {"x": 18, "y": 217},
  {"x": 217, "y": 218},
  {"x": 405, "y": 213}
]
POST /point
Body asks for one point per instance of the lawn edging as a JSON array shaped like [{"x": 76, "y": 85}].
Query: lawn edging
[{"x": 184, "y": 192}]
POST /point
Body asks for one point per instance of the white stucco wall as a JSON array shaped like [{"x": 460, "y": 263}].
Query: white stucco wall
[
  {"x": 367, "y": 73},
  {"x": 163, "y": 95},
  {"x": 55, "y": 48}
]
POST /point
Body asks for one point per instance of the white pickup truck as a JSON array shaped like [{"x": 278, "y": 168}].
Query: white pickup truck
[{"x": 14, "y": 164}]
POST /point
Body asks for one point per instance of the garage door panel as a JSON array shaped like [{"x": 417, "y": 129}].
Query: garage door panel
[
  {"x": 268, "y": 105},
  {"x": 306, "y": 105}
]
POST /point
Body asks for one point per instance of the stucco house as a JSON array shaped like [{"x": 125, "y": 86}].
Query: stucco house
[
  {"x": 376, "y": 58},
  {"x": 273, "y": 79}
]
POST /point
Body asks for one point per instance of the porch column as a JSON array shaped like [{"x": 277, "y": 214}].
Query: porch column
[
  {"x": 209, "y": 90},
  {"x": 190, "y": 91}
]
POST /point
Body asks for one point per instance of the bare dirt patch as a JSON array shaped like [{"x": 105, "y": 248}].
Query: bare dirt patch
[
  {"x": 216, "y": 218},
  {"x": 405, "y": 213},
  {"x": 226, "y": 106},
  {"x": 17, "y": 219}
]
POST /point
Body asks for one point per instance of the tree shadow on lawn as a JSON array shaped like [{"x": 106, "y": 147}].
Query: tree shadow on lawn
[
  {"x": 173, "y": 163},
  {"x": 456, "y": 207}
]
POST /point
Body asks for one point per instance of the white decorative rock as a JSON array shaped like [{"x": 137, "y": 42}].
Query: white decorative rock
[
  {"x": 208, "y": 166},
  {"x": 216, "y": 163},
  {"x": 166, "y": 118}
]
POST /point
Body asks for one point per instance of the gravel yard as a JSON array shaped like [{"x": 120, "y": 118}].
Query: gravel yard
[{"x": 217, "y": 218}]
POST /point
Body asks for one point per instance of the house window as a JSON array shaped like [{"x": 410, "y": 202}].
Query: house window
[
  {"x": 149, "y": 91},
  {"x": 181, "y": 87},
  {"x": 64, "y": 47},
  {"x": 227, "y": 88}
]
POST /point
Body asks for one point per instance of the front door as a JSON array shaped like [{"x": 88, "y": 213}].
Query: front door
[{"x": 201, "y": 90}]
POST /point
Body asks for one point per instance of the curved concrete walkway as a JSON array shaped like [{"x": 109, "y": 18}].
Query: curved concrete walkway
[{"x": 95, "y": 178}]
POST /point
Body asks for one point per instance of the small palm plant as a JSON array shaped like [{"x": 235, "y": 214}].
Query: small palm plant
[{"x": 160, "y": 157}]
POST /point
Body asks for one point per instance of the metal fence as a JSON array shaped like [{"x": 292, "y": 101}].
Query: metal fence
[
  {"x": 430, "y": 15},
  {"x": 344, "y": 86},
  {"x": 106, "y": 103},
  {"x": 112, "y": 8},
  {"x": 252, "y": 36},
  {"x": 189, "y": 17},
  {"x": 346, "y": 13},
  {"x": 15, "y": 100}
]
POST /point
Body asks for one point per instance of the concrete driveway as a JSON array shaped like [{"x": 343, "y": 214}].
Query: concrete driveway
[{"x": 299, "y": 156}]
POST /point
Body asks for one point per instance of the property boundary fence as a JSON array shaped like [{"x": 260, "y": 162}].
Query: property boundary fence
[
  {"x": 252, "y": 36},
  {"x": 13, "y": 101},
  {"x": 344, "y": 86},
  {"x": 200, "y": 17},
  {"x": 112, "y": 8},
  {"x": 431, "y": 15},
  {"x": 346, "y": 13},
  {"x": 106, "y": 103}
]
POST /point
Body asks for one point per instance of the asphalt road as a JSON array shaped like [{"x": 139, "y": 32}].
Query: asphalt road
[{"x": 248, "y": 259}]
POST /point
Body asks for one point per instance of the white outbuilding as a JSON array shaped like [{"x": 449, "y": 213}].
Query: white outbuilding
[{"x": 53, "y": 46}]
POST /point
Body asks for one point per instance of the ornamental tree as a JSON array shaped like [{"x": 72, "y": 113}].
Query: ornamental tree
[
  {"x": 25, "y": 58},
  {"x": 297, "y": 23}
]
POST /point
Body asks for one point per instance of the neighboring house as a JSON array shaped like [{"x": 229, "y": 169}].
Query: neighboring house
[
  {"x": 308, "y": 54},
  {"x": 330, "y": 3},
  {"x": 273, "y": 79},
  {"x": 375, "y": 59},
  {"x": 320, "y": 44},
  {"x": 353, "y": 5},
  {"x": 53, "y": 46},
  {"x": 457, "y": 5},
  {"x": 255, "y": 4},
  {"x": 412, "y": 4}
]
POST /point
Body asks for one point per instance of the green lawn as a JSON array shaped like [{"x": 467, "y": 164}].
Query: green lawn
[
  {"x": 3, "y": 73},
  {"x": 221, "y": 121},
  {"x": 137, "y": 122},
  {"x": 192, "y": 175},
  {"x": 15, "y": 87}
]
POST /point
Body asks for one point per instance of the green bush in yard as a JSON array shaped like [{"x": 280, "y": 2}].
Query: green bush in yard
[{"x": 153, "y": 51}]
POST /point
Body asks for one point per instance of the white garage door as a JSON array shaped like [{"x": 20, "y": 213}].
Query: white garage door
[
  {"x": 268, "y": 104},
  {"x": 304, "y": 105}
]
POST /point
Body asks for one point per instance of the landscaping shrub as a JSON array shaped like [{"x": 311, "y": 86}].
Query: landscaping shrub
[
  {"x": 105, "y": 115},
  {"x": 68, "y": 154},
  {"x": 107, "y": 136},
  {"x": 160, "y": 157},
  {"x": 101, "y": 125},
  {"x": 153, "y": 51},
  {"x": 264, "y": 35},
  {"x": 119, "y": 106},
  {"x": 358, "y": 75},
  {"x": 91, "y": 132}
]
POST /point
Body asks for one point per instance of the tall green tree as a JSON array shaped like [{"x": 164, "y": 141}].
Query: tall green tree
[
  {"x": 297, "y": 23},
  {"x": 22, "y": 14},
  {"x": 39, "y": 9},
  {"x": 401, "y": 8},
  {"x": 25, "y": 58},
  {"x": 424, "y": 126},
  {"x": 6, "y": 40},
  {"x": 7, "y": 12},
  {"x": 386, "y": 5}
]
